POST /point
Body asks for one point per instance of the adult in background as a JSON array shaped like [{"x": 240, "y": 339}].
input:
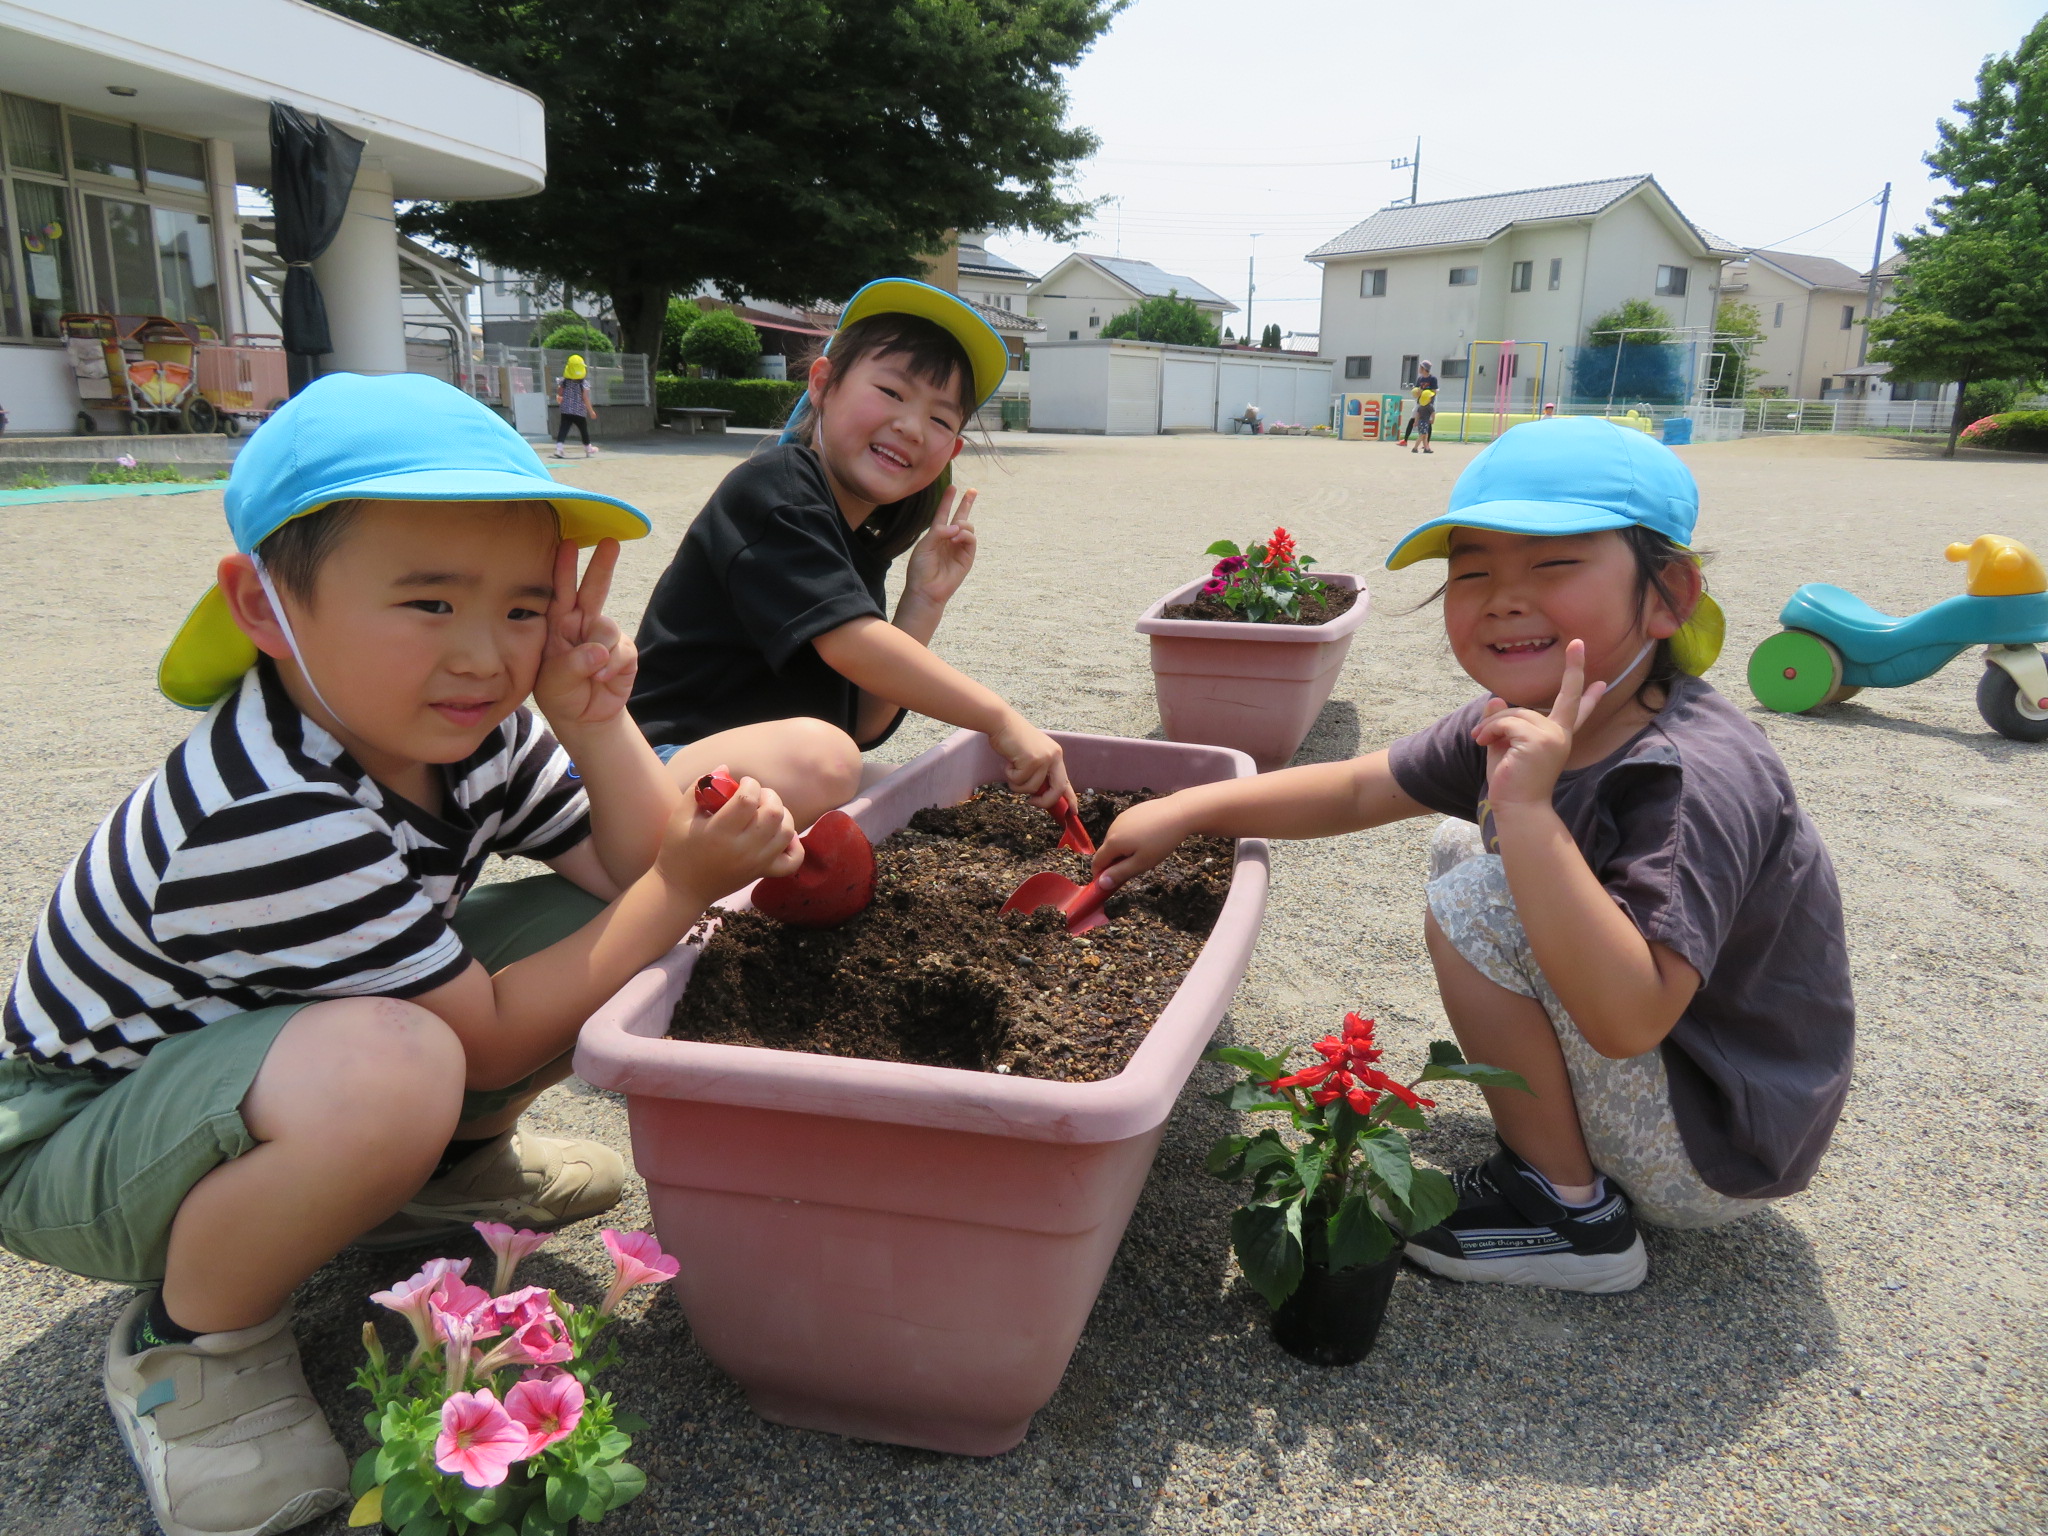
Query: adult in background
[
  {"x": 1423, "y": 422},
  {"x": 572, "y": 400}
]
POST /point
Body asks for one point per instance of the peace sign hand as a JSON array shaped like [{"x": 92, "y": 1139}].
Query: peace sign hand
[
  {"x": 1525, "y": 749},
  {"x": 588, "y": 664},
  {"x": 945, "y": 554}
]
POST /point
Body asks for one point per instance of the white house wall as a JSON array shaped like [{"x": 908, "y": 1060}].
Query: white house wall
[
  {"x": 1133, "y": 392},
  {"x": 1078, "y": 291}
]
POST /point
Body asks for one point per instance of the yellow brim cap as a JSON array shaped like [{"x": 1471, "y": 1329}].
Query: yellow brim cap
[{"x": 986, "y": 354}]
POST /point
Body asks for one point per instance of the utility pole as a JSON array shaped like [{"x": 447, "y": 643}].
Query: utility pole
[
  {"x": 1884, "y": 207},
  {"x": 1251, "y": 288},
  {"x": 1413, "y": 165}
]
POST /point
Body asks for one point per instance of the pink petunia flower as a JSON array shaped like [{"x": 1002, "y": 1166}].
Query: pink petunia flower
[
  {"x": 536, "y": 1334},
  {"x": 509, "y": 1246},
  {"x": 412, "y": 1299},
  {"x": 479, "y": 1439},
  {"x": 1215, "y": 585},
  {"x": 548, "y": 1404},
  {"x": 457, "y": 1339},
  {"x": 455, "y": 1297},
  {"x": 638, "y": 1260}
]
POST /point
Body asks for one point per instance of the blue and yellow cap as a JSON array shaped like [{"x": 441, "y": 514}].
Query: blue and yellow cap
[
  {"x": 348, "y": 437},
  {"x": 1577, "y": 474},
  {"x": 986, "y": 354}
]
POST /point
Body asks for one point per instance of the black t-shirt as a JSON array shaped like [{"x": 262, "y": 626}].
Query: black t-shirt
[
  {"x": 1693, "y": 828},
  {"x": 767, "y": 567}
]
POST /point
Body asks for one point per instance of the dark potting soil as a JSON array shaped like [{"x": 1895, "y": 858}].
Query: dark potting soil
[
  {"x": 931, "y": 973},
  {"x": 1311, "y": 610}
]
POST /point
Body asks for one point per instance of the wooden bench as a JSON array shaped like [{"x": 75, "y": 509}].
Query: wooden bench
[{"x": 694, "y": 418}]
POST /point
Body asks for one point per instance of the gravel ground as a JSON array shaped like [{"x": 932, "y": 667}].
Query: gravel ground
[{"x": 1865, "y": 1357}]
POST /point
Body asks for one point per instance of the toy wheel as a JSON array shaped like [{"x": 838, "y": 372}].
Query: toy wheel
[
  {"x": 2006, "y": 710},
  {"x": 140, "y": 425},
  {"x": 86, "y": 425},
  {"x": 231, "y": 425},
  {"x": 1794, "y": 671}
]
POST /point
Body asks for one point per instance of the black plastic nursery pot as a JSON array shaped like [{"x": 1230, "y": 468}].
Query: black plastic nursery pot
[{"x": 1334, "y": 1319}]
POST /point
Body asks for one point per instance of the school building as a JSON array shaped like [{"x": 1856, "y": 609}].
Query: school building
[{"x": 126, "y": 126}]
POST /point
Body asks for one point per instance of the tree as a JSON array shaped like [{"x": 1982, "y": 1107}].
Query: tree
[
  {"x": 1971, "y": 305},
  {"x": 724, "y": 343},
  {"x": 682, "y": 314},
  {"x": 789, "y": 149},
  {"x": 1170, "y": 319},
  {"x": 1644, "y": 323},
  {"x": 1740, "y": 321},
  {"x": 577, "y": 338},
  {"x": 1270, "y": 338}
]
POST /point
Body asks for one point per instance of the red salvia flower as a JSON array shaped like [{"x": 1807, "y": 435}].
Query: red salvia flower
[
  {"x": 1280, "y": 548},
  {"x": 1347, "y": 1071}
]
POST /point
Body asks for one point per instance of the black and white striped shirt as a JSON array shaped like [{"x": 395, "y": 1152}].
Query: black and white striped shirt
[{"x": 260, "y": 865}]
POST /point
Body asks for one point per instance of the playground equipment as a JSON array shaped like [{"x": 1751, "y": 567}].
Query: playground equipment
[
  {"x": 243, "y": 381},
  {"x": 1506, "y": 370},
  {"x": 1834, "y": 644},
  {"x": 1366, "y": 418}
]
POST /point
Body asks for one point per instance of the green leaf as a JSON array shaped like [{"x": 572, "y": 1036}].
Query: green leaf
[
  {"x": 1388, "y": 1158},
  {"x": 1264, "y": 1068},
  {"x": 1246, "y": 1097},
  {"x": 628, "y": 1483},
  {"x": 1311, "y": 1159},
  {"x": 1357, "y": 1235},
  {"x": 599, "y": 1498},
  {"x": 631, "y": 1423},
  {"x": 1393, "y": 1111},
  {"x": 1223, "y": 547},
  {"x": 1431, "y": 1197},
  {"x": 1445, "y": 1053},
  {"x": 539, "y": 1522},
  {"x": 612, "y": 1445},
  {"x": 1475, "y": 1072},
  {"x": 501, "y": 1528},
  {"x": 1226, "y": 1158},
  {"x": 1265, "y": 1151},
  {"x": 433, "y": 1523},
  {"x": 363, "y": 1476},
  {"x": 407, "y": 1495},
  {"x": 1267, "y": 1240},
  {"x": 566, "y": 1493},
  {"x": 483, "y": 1505}
]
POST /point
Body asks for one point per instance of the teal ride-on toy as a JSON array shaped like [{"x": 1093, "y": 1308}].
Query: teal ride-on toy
[{"x": 1834, "y": 644}]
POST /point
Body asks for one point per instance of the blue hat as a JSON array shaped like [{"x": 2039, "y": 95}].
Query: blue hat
[
  {"x": 347, "y": 437},
  {"x": 1577, "y": 474}
]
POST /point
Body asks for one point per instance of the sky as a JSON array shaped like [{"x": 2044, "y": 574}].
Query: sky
[{"x": 1222, "y": 119}]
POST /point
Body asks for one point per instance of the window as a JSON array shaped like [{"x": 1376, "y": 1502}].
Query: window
[
  {"x": 1073, "y": 335},
  {"x": 1453, "y": 368},
  {"x": 101, "y": 148},
  {"x": 35, "y": 136},
  {"x": 1556, "y": 272},
  {"x": 1670, "y": 281},
  {"x": 1094, "y": 321},
  {"x": 1408, "y": 368},
  {"x": 1848, "y": 316},
  {"x": 184, "y": 257},
  {"x": 10, "y": 323},
  {"x": 43, "y": 223},
  {"x": 175, "y": 165},
  {"x": 1464, "y": 277},
  {"x": 1778, "y": 318},
  {"x": 1357, "y": 367},
  {"x": 123, "y": 255},
  {"x": 1372, "y": 283},
  {"x": 1524, "y": 274}
]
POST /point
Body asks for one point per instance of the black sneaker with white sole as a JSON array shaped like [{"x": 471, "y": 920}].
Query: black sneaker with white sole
[{"x": 1509, "y": 1229}]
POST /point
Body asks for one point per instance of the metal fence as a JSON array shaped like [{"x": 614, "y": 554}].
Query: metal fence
[{"x": 615, "y": 378}]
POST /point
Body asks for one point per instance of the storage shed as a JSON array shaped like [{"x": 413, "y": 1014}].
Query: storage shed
[{"x": 1138, "y": 388}]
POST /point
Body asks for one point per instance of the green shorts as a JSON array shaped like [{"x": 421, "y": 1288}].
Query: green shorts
[{"x": 94, "y": 1168}]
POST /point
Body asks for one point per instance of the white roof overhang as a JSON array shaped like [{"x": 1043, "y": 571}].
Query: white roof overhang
[{"x": 440, "y": 129}]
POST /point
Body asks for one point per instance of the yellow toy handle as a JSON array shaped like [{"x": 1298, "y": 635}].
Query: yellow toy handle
[{"x": 1999, "y": 567}]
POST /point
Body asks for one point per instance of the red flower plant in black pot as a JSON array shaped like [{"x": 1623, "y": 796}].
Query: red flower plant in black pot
[{"x": 1320, "y": 1239}]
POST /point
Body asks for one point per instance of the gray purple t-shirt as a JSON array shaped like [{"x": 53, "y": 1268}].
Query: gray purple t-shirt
[{"x": 1693, "y": 829}]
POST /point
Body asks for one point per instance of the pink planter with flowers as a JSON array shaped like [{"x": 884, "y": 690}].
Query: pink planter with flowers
[
  {"x": 898, "y": 1252},
  {"x": 1255, "y": 687}
]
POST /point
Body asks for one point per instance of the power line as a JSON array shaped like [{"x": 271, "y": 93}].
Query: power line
[{"x": 1772, "y": 245}]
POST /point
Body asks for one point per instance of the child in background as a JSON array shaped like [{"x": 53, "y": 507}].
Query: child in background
[
  {"x": 1423, "y": 421},
  {"x": 1628, "y": 906},
  {"x": 265, "y": 1014},
  {"x": 574, "y": 405},
  {"x": 766, "y": 644}
]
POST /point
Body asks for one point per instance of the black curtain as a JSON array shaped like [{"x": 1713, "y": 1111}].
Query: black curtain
[{"x": 312, "y": 167}]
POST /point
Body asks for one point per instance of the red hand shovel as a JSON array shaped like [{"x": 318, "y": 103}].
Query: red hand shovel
[
  {"x": 836, "y": 880},
  {"x": 1081, "y": 903}
]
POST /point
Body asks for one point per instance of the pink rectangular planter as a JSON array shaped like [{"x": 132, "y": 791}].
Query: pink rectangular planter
[
  {"x": 896, "y": 1252},
  {"x": 1255, "y": 687}
]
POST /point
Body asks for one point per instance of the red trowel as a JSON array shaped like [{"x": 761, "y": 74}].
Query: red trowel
[
  {"x": 1082, "y": 904},
  {"x": 836, "y": 880}
]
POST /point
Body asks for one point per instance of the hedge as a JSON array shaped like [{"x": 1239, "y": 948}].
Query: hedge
[
  {"x": 753, "y": 402},
  {"x": 2025, "y": 431}
]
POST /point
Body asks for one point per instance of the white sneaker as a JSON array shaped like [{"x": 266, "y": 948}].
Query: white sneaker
[
  {"x": 224, "y": 1430},
  {"x": 521, "y": 1179},
  {"x": 590, "y": 452}
]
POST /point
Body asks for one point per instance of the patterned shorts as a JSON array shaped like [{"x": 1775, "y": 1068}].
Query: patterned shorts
[{"x": 1624, "y": 1106}]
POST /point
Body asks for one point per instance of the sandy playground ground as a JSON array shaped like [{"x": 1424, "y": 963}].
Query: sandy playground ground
[{"x": 1865, "y": 1357}]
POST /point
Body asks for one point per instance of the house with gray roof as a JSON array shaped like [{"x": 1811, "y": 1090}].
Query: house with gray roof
[
  {"x": 1811, "y": 311},
  {"x": 990, "y": 280},
  {"x": 1080, "y": 295},
  {"x": 1425, "y": 280}
]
